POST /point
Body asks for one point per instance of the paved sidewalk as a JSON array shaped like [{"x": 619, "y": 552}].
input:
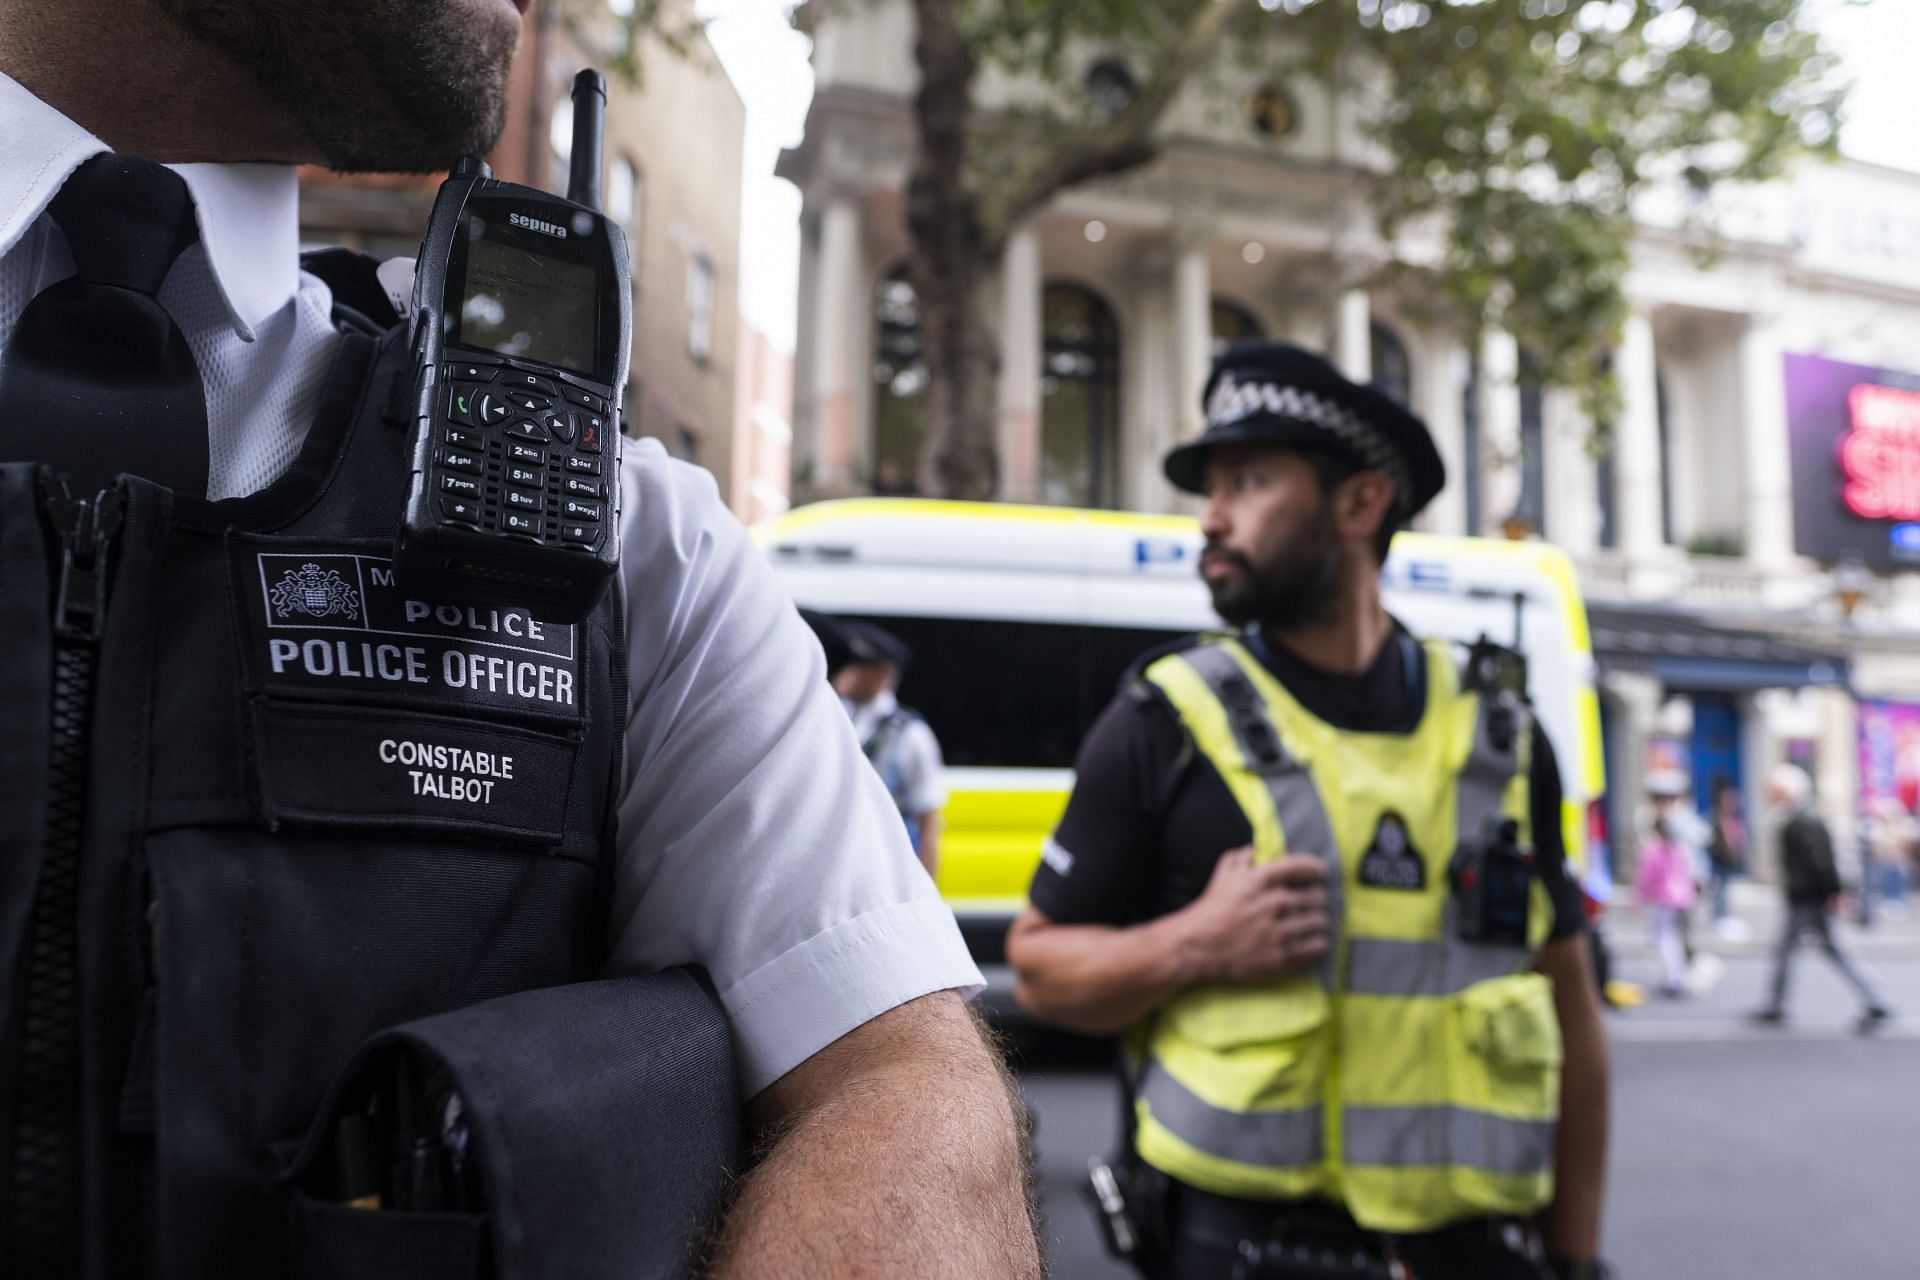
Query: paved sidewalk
[{"x": 1759, "y": 910}]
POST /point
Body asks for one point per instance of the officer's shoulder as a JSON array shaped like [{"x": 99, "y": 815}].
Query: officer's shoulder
[
  {"x": 1136, "y": 672},
  {"x": 668, "y": 506},
  {"x": 1134, "y": 684}
]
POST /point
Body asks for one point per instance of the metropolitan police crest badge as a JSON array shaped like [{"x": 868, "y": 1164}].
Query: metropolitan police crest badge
[
  {"x": 316, "y": 593},
  {"x": 1392, "y": 862}
]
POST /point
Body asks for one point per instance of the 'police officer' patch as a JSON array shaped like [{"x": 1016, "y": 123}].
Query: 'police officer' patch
[{"x": 1391, "y": 861}]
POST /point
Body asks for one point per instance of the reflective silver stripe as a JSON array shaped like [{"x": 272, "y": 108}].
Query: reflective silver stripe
[
  {"x": 1291, "y": 1139},
  {"x": 1393, "y": 967},
  {"x": 1304, "y": 827},
  {"x": 1408, "y": 1137}
]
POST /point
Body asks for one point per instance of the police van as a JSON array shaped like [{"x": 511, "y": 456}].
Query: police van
[{"x": 1022, "y": 621}]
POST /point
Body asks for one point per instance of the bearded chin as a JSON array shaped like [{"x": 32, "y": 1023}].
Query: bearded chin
[{"x": 1299, "y": 590}]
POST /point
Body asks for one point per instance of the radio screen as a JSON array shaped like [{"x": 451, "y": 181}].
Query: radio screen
[{"x": 529, "y": 305}]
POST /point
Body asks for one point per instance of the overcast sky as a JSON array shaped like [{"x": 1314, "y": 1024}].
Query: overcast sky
[{"x": 767, "y": 61}]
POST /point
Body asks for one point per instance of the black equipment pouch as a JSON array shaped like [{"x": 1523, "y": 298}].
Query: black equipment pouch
[
  {"x": 1492, "y": 881},
  {"x": 587, "y": 1131}
]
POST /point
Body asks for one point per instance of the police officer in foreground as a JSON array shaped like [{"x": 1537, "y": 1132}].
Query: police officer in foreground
[
  {"x": 897, "y": 740},
  {"x": 322, "y": 910},
  {"x": 1314, "y": 868}
]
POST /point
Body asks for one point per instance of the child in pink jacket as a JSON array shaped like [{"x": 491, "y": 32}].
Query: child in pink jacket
[{"x": 1664, "y": 884}]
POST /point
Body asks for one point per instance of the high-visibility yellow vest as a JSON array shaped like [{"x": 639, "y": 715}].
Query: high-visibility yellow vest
[{"x": 1415, "y": 1077}]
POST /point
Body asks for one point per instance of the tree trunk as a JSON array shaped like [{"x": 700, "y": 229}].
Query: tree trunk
[{"x": 959, "y": 457}]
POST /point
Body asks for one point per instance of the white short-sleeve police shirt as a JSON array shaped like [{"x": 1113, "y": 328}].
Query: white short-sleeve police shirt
[{"x": 753, "y": 838}]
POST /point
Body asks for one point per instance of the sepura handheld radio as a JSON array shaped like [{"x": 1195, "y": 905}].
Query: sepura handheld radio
[{"x": 522, "y": 322}]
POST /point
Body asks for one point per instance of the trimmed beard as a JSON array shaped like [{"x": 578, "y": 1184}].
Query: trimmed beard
[
  {"x": 1297, "y": 587},
  {"x": 376, "y": 86}
]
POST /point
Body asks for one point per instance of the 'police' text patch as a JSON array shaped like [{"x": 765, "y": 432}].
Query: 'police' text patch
[{"x": 334, "y": 622}]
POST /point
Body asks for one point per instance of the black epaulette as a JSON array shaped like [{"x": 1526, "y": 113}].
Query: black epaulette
[
  {"x": 359, "y": 299},
  {"x": 1133, "y": 681}
]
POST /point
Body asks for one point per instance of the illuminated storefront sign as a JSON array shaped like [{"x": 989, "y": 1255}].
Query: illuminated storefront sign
[
  {"x": 1855, "y": 436},
  {"x": 1880, "y": 453}
]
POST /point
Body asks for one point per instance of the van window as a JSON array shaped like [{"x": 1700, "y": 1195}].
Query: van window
[{"x": 1013, "y": 694}]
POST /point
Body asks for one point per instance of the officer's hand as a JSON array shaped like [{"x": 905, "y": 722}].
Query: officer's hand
[{"x": 1260, "y": 921}]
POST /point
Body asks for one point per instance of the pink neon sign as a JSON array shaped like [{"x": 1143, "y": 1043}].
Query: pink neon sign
[{"x": 1881, "y": 454}]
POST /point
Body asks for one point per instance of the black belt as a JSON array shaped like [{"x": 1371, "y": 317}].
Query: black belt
[
  {"x": 1324, "y": 1232},
  {"x": 1225, "y": 1221}
]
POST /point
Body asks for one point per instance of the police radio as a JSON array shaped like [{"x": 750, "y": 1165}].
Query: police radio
[{"x": 522, "y": 321}]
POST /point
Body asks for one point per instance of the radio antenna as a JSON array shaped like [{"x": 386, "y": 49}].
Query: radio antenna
[{"x": 589, "y": 125}]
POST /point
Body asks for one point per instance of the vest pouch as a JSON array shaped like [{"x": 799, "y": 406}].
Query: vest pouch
[
  {"x": 334, "y": 1241},
  {"x": 1257, "y": 1046},
  {"x": 1511, "y": 1024},
  {"x": 601, "y": 1128}
]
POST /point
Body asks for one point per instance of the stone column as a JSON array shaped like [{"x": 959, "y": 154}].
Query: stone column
[
  {"x": 1192, "y": 334},
  {"x": 1769, "y": 484},
  {"x": 1437, "y": 393},
  {"x": 839, "y": 345},
  {"x": 1020, "y": 342},
  {"x": 1636, "y": 443},
  {"x": 1499, "y": 430},
  {"x": 1353, "y": 335},
  {"x": 1569, "y": 511}
]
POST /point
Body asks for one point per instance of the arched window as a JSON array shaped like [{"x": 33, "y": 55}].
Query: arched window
[
  {"x": 1392, "y": 368},
  {"x": 1232, "y": 323},
  {"x": 1079, "y": 399},
  {"x": 899, "y": 384}
]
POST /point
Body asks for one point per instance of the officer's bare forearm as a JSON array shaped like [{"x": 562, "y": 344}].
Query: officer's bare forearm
[
  {"x": 1572, "y": 1222},
  {"x": 1099, "y": 979},
  {"x": 898, "y": 1150}
]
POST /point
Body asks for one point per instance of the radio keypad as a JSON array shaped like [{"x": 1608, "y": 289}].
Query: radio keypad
[{"x": 520, "y": 454}]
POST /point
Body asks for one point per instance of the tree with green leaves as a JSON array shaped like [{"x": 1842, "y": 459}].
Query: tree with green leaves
[{"x": 1522, "y": 128}]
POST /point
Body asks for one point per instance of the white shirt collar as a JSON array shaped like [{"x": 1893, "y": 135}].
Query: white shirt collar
[{"x": 249, "y": 214}]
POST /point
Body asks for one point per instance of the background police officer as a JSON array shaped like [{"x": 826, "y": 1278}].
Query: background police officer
[
  {"x": 897, "y": 739},
  {"x": 752, "y": 838},
  {"x": 1342, "y": 1057}
]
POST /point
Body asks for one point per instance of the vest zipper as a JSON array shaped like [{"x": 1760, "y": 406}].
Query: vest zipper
[{"x": 45, "y": 1139}]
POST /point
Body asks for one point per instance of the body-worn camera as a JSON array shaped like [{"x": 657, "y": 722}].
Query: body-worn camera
[
  {"x": 1492, "y": 881},
  {"x": 522, "y": 323}
]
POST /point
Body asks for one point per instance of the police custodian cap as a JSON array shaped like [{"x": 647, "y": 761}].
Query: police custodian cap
[
  {"x": 1271, "y": 393},
  {"x": 868, "y": 643}
]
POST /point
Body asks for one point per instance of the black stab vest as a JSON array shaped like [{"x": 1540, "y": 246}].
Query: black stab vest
[{"x": 313, "y": 807}]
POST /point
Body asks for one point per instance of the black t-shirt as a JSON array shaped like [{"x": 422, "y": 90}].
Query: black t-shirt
[{"x": 1150, "y": 816}]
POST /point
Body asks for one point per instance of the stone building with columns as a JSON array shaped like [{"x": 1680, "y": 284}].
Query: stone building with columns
[{"x": 1743, "y": 607}]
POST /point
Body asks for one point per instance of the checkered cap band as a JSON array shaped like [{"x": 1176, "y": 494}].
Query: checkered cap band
[{"x": 1234, "y": 401}]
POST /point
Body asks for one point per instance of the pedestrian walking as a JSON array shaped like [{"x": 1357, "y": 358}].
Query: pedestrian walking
[
  {"x": 897, "y": 740},
  {"x": 1315, "y": 866},
  {"x": 1663, "y": 883},
  {"x": 1813, "y": 882},
  {"x": 1887, "y": 848},
  {"x": 1687, "y": 831},
  {"x": 1727, "y": 846}
]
